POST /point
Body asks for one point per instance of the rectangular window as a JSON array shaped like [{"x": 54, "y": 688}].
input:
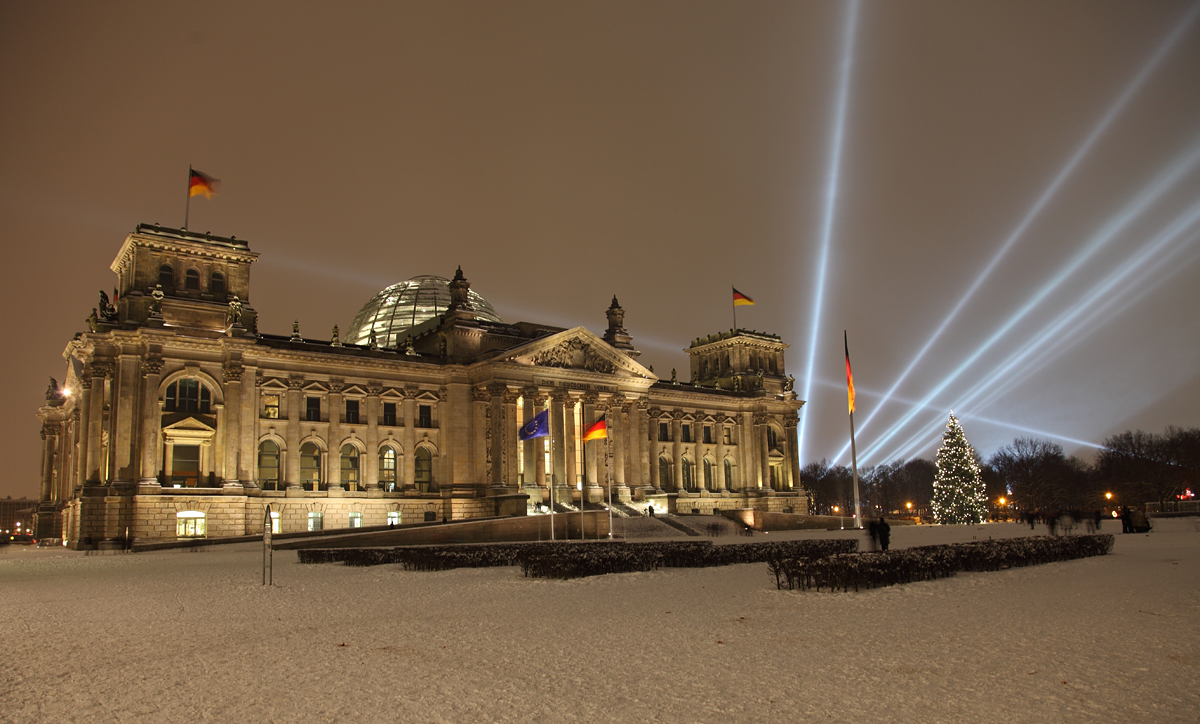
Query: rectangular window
[
  {"x": 708, "y": 435},
  {"x": 271, "y": 407},
  {"x": 424, "y": 416},
  {"x": 312, "y": 409},
  {"x": 314, "y": 521},
  {"x": 728, "y": 435},
  {"x": 185, "y": 466},
  {"x": 664, "y": 432},
  {"x": 274, "y": 523},
  {"x": 356, "y": 520},
  {"x": 190, "y": 524},
  {"x": 394, "y": 518},
  {"x": 686, "y": 432},
  {"x": 389, "y": 414},
  {"x": 351, "y": 412}
]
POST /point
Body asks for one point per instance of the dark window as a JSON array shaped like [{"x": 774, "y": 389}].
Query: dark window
[
  {"x": 185, "y": 466},
  {"x": 389, "y": 413},
  {"x": 192, "y": 280},
  {"x": 708, "y": 434},
  {"x": 708, "y": 475},
  {"x": 430, "y": 516},
  {"x": 664, "y": 432},
  {"x": 727, "y": 434},
  {"x": 217, "y": 285},
  {"x": 423, "y": 470},
  {"x": 268, "y": 465},
  {"x": 687, "y": 432},
  {"x": 772, "y": 441},
  {"x": 424, "y": 416},
  {"x": 352, "y": 412},
  {"x": 664, "y": 473},
  {"x": 310, "y": 467},
  {"x": 312, "y": 411},
  {"x": 728, "y": 475},
  {"x": 350, "y": 467},
  {"x": 166, "y": 277},
  {"x": 188, "y": 396},
  {"x": 687, "y": 474}
]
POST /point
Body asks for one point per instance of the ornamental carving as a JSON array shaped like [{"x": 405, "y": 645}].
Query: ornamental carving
[
  {"x": 560, "y": 396},
  {"x": 511, "y": 396},
  {"x": 497, "y": 389},
  {"x": 532, "y": 395},
  {"x": 590, "y": 398},
  {"x": 761, "y": 419},
  {"x": 233, "y": 371},
  {"x": 574, "y": 354},
  {"x": 374, "y": 388},
  {"x": 336, "y": 386},
  {"x": 151, "y": 366},
  {"x": 101, "y": 368},
  {"x": 480, "y": 394},
  {"x": 655, "y": 412},
  {"x": 295, "y": 383}
]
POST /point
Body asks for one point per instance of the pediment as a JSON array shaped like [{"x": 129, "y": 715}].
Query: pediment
[
  {"x": 577, "y": 349},
  {"x": 189, "y": 424}
]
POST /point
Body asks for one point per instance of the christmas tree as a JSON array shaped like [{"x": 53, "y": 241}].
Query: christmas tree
[{"x": 959, "y": 495}]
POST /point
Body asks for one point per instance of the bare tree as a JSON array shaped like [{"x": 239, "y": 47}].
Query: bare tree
[{"x": 1139, "y": 466}]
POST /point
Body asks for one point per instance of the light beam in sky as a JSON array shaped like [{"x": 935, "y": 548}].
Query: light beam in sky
[
  {"x": 1064, "y": 173},
  {"x": 1107, "y": 291},
  {"x": 830, "y": 206}
]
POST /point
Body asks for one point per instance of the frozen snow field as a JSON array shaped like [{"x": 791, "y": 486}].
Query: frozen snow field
[{"x": 183, "y": 637}]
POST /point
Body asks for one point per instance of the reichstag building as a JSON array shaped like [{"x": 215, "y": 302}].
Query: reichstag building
[{"x": 178, "y": 418}]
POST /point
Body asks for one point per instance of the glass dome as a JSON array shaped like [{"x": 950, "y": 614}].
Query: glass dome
[{"x": 403, "y": 306}]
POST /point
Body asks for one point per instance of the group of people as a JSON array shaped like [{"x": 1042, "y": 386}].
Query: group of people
[
  {"x": 1132, "y": 520},
  {"x": 881, "y": 534}
]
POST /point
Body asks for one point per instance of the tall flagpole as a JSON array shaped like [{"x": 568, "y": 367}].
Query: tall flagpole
[
  {"x": 187, "y": 209},
  {"x": 608, "y": 464},
  {"x": 550, "y": 429},
  {"x": 853, "y": 449},
  {"x": 733, "y": 303}
]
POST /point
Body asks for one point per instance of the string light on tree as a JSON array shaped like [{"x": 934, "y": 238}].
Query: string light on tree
[{"x": 959, "y": 495}]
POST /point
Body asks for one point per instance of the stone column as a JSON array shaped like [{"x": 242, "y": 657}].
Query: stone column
[
  {"x": 95, "y": 455},
  {"x": 570, "y": 451},
  {"x": 82, "y": 415},
  {"x": 559, "y": 461},
  {"x": 654, "y": 450},
  {"x": 334, "y": 467},
  {"x": 495, "y": 433},
  {"x": 529, "y": 410},
  {"x": 645, "y": 445},
  {"x": 295, "y": 409},
  {"x": 720, "y": 484},
  {"x": 371, "y": 474},
  {"x": 764, "y": 463},
  {"x": 677, "y": 451},
  {"x": 747, "y": 452},
  {"x": 233, "y": 425},
  {"x": 151, "y": 421},
  {"x": 590, "y": 453},
  {"x": 793, "y": 450},
  {"x": 206, "y": 450},
  {"x": 248, "y": 429},
  {"x": 618, "y": 433},
  {"x": 168, "y": 463},
  {"x": 50, "y": 435},
  {"x": 410, "y": 437},
  {"x": 509, "y": 428}
]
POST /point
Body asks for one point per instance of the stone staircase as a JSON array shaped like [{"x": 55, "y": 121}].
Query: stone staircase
[{"x": 670, "y": 520}]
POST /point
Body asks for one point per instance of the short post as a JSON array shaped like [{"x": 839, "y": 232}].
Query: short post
[{"x": 268, "y": 552}]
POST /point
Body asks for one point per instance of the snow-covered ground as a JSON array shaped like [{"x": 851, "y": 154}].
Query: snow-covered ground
[{"x": 180, "y": 636}]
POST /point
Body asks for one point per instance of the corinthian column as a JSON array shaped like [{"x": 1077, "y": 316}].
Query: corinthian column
[{"x": 151, "y": 422}]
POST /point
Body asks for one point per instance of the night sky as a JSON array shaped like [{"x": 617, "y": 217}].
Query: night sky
[{"x": 998, "y": 200}]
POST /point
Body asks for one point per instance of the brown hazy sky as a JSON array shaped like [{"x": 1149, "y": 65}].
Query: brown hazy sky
[{"x": 660, "y": 151}]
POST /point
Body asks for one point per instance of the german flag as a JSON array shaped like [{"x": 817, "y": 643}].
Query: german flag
[
  {"x": 599, "y": 431},
  {"x": 200, "y": 184},
  {"x": 741, "y": 300},
  {"x": 849, "y": 375}
]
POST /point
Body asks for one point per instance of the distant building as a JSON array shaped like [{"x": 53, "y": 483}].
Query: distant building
[
  {"x": 177, "y": 418},
  {"x": 13, "y": 511}
]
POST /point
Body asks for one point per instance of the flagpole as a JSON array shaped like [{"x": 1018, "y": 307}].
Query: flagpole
[
  {"x": 607, "y": 459},
  {"x": 187, "y": 209},
  {"x": 551, "y": 481},
  {"x": 733, "y": 303},
  {"x": 584, "y": 443}
]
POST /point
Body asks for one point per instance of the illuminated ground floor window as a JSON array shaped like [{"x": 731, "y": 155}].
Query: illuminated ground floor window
[
  {"x": 274, "y": 522},
  {"x": 394, "y": 518},
  {"x": 190, "y": 524},
  {"x": 314, "y": 521},
  {"x": 356, "y": 520}
]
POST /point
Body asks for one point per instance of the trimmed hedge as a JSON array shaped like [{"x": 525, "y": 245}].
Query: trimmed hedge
[
  {"x": 868, "y": 570},
  {"x": 575, "y": 560}
]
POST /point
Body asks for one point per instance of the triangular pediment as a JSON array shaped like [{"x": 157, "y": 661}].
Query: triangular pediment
[
  {"x": 189, "y": 424},
  {"x": 576, "y": 349}
]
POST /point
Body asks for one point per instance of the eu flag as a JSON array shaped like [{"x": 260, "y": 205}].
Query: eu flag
[{"x": 539, "y": 426}]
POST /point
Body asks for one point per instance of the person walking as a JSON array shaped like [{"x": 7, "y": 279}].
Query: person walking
[{"x": 885, "y": 533}]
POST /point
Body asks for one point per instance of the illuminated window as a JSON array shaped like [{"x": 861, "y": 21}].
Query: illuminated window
[
  {"x": 274, "y": 522},
  {"x": 350, "y": 467},
  {"x": 191, "y": 280},
  {"x": 271, "y": 407},
  {"x": 314, "y": 521},
  {"x": 351, "y": 412},
  {"x": 268, "y": 465},
  {"x": 356, "y": 520},
  {"x": 394, "y": 518},
  {"x": 727, "y": 435},
  {"x": 188, "y": 396},
  {"x": 216, "y": 285},
  {"x": 423, "y": 469},
  {"x": 166, "y": 277},
  {"x": 310, "y": 467},
  {"x": 312, "y": 409},
  {"x": 389, "y": 414},
  {"x": 387, "y": 469},
  {"x": 190, "y": 524}
]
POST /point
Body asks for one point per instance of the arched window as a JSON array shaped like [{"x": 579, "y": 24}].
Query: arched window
[
  {"x": 664, "y": 473},
  {"x": 268, "y": 466},
  {"x": 387, "y": 469},
  {"x": 687, "y": 474},
  {"x": 191, "y": 280},
  {"x": 772, "y": 438},
  {"x": 310, "y": 467},
  {"x": 166, "y": 276},
  {"x": 188, "y": 396},
  {"x": 708, "y": 478},
  {"x": 216, "y": 285},
  {"x": 350, "y": 468},
  {"x": 728, "y": 474},
  {"x": 423, "y": 468}
]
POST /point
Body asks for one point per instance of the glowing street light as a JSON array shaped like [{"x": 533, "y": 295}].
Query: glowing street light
[{"x": 1108, "y": 496}]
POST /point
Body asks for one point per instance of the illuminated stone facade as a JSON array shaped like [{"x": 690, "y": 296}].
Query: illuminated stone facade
[{"x": 177, "y": 418}]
